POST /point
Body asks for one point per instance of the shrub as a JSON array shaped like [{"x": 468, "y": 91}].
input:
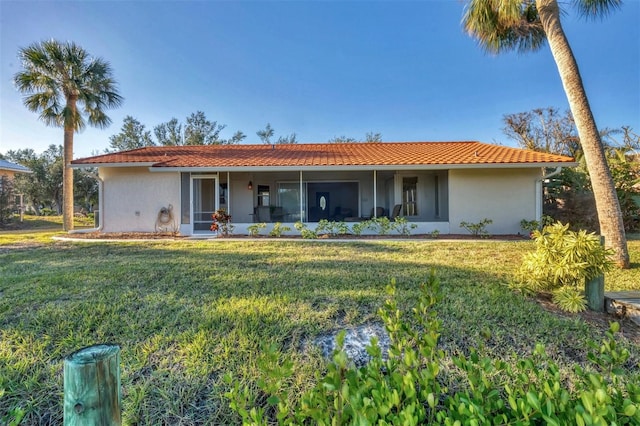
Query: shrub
[
  {"x": 278, "y": 230},
  {"x": 405, "y": 386},
  {"x": 529, "y": 225},
  {"x": 221, "y": 222},
  {"x": 477, "y": 229},
  {"x": 305, "y": 232},
  {"x": 254, "y": 230},
  {"x": 332, "y": 228},
  {"x": 402, "y": 226},
  {"x": 561, "y": 263}
]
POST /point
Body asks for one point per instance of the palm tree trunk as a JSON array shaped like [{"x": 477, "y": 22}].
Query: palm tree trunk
[
  {"x": 607, "y": 204},
  {"x": 67, "y": 172}
]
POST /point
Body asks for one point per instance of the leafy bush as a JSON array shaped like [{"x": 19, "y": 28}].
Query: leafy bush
[
  {"x": 477, "y": 229},
  {"x": 48, "y": 212},
  {"x": 221, "y": 221},
  {"x": 406, "y": 386},
  {"x": 332, "y": 228},
  {"x": 402, "y": 226},
  {"x": 254, "y": 230},
  {"x": 278, "y": 230},
  {"x": 305, "y": 232},
  {"x": 529, "y": 225},
  {"x": 563, "y": 259}
]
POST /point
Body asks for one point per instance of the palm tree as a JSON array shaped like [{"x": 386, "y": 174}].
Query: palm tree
[
  {"x": 58, "y": 79},
  {"x": 525, "y": 25}
]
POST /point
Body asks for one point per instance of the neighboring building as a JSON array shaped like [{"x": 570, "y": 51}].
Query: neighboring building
[
  {"x": 9, "y": 200},
  {"x": 435, "y": 185},
  {"x": 10, "y": 169}
]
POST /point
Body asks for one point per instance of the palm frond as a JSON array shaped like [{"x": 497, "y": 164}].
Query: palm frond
[
  {"x": 502, "y": 25},
  {"x": 62, "y": 82},
  {"x": 592, "y": 9}
]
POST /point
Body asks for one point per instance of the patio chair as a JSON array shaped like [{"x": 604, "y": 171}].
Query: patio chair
[{"x": 397, "y": 209}]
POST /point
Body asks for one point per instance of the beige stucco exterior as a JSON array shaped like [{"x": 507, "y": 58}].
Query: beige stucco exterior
[
  {"x": 9, "y": 174},
  {"x": 132, "y": 198},
  {"x": 505, "y": 196}
]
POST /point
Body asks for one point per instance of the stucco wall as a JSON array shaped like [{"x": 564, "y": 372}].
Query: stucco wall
[
  {"x": 132, "y": 198},
  {"x": 10, "y": 174},
  {"x": 505, "y": 196}
]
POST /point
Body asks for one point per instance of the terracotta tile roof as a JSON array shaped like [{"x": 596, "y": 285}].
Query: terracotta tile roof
[{"x": 327, "y": 155}]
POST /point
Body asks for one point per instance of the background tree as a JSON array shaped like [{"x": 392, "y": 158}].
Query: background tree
[
  {"x": 373, "y": 137},
  {"x": 200, "y": 131},
  {"x": 43, "y": 187},
  {"x": 369, "y": 137},
  {"x": 342, "y": 139},
  {"x": 86, "y": 188},
  {"x": 544, "y": 130},
  {"x": 7, "y": 199},
  {"x": 132, "y": 135},
  {"x": 267, "y": 133},
  {"x": 169, "y": 133},
  {"x": 65, "y": 85},
  {"x": 525, "y": 25}
]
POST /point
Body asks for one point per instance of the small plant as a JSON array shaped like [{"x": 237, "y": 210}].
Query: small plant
[
  {"x": 305, "y": 232},
  {"x": 569, "y": 299},
  {"x": 381, "y": 224},
  {"x": 563, "y": 259},
  {"x": 402, "y": 226},
  {"x": 435, "y": 234},
  {"x": 332, "y": 228},
  {"x": 221, "y": 222},
  {"x": 529, "y": 225},
  {"x": 254, "y": 230},
  {"x": 359, "y": 227},
  {"x": 278, "y": 230},
  {"x": 477, "y": 229}
]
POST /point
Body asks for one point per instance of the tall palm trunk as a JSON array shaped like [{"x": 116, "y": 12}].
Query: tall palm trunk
[
  {"x": 607, "y": 204},
  {"x": 67, "y": 171}
]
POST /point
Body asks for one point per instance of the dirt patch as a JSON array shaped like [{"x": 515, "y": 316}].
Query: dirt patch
[{"x": 600, "y": 320}]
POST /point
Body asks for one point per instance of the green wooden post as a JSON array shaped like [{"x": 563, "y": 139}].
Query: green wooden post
[
  {"x": 594, "y": 290},
  {"x": 92, "y": 387}
]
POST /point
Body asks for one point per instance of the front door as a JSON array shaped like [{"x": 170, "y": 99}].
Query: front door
[{"x": 204, "y": 197}]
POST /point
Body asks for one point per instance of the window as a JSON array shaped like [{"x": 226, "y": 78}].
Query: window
[
  {"x": 263, "y": 195},
  {"x": 185, "y": 200},
  {"x": 409, "y": 193}
]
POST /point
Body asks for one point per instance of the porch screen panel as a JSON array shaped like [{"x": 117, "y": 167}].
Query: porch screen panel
[
  {"x": 185, "y": 202},
  {"x": 289, "y": 200},
  {"x": 409, "y": 196}
]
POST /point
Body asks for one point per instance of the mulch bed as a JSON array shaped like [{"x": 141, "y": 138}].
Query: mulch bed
[{"x": 165, "y": 235}]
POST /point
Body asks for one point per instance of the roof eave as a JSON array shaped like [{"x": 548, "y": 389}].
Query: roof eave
[
  {"x": 360, "y": 167},
  {"x": 114, "y": 165}
]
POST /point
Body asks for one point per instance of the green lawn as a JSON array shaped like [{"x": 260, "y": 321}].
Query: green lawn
[{"x": 186, "y": 312}]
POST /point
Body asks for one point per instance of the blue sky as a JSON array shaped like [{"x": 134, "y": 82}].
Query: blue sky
[{"x": 317, "y": 68}]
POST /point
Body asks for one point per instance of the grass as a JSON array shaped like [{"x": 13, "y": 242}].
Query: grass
[{"x": 186, "y": 312}]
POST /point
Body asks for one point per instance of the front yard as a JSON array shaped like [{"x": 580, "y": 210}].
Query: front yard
[{"x": 187, "y": 312}]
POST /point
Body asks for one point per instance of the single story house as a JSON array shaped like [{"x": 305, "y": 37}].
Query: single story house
[
  {"x": 9, "y": 169},
  {"x": 435, "y": 185}
]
